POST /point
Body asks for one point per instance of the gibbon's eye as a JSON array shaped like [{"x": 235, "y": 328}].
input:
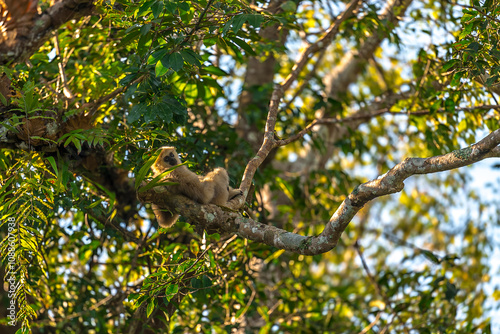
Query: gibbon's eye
[{"x": 171, "y": 154}]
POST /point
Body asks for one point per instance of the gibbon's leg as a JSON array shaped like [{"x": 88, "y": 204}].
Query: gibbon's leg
[
  {"x": 219, "y": 179},
  {"x": 192, "y": 186},
  {"x": 165, "y": 218}
]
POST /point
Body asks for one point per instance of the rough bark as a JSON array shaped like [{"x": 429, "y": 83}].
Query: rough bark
[{"x": 26, "y": 31}]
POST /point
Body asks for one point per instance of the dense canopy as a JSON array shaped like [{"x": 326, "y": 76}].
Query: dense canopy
[{"x": 332, "y": 117}]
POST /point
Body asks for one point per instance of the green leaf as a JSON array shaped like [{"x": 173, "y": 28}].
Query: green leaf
[
  {"x": 215, "y": 71},
  {"x": 176, "y": 61},
  {"x": 165, "y": 60},
  {"x": 3, "y": 99},
  {"x": 171, "y": 291},
  {"x": 157, "y": 8},
  {"x": 196, "y": 283},
  {"x": 473, "y": 47},
  {"x": 142, "y": 45},
  {"x": 190, "y": 57},
  {"x": 491, "y": 80},
  {"x": 151, "y": 307},
  {"x": 146, "y": 28},
  {"x": 52, "y": 162},
  {"x": 430, "y": 256},
  {"x": 451, "y": 291},
  {"x": 466, "y": 31},
  {"x": 449, "y": 64},
  {"x": 180, "y": 119},
  {"x": 145, "y": 8},
  {"x": 255, "y": 20},
  {"x": 171, "y": 7},
  {"x": 289, "y": 6},
  {"x": 160, "y": 69},
  {"x": 242, "y": 44},
  {"x": 175, "y": 106},
  {"x": 143, "y": 171},
  {"x": 77, "y": 144},
  {"x": 456, "y": 79},
  {"x": 163, "y": 112},
  {"x": 235, "y": 24},
  {"x": 435, "y": 106},
  {"x": 128, "y": 79},
  {"x": 136, "y": 112},
  {"x": 449, "y": 105},
  {"x": 184, "y": 6}
]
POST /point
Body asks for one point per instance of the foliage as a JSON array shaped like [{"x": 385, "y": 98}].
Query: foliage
[{"x": 149, "y": 73}]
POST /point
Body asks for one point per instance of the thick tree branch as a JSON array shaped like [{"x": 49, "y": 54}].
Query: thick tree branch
[
  {"x": 320, "y": 44},
  {"x": 20, "y": 43},
  {"x": 214, "y": 218},
  {"x": 341, "y": 76}
]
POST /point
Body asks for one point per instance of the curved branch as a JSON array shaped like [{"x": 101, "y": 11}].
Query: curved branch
[{"x": 212, "y": 217}]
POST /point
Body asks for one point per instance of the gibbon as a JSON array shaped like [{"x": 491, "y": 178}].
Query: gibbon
[{"x": 212, "y": 188}]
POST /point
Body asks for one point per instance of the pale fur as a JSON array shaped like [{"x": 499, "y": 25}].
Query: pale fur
[{"x": 212, "y": 188}]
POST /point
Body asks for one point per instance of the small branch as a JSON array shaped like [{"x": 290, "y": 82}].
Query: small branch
[
  {"x": 376, "y": 285},
  {"x": 373, "y": 323},
  {"x": 93, "y": 106},
  {"x": 476, "y": 9},
  {"x": 371, "y": 115},
  {"x": 322, "y": 43},
  {"x": 305, "y": 81},
  {"x": 60, "y": 64},
  {"x": 127, "y": 235}
]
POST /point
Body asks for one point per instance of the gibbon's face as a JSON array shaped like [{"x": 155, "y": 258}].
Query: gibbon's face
[{"x": 169, "y": 157}]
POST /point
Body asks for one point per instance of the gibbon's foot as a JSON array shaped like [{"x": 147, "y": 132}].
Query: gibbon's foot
[{"x": 236, "y": 193}]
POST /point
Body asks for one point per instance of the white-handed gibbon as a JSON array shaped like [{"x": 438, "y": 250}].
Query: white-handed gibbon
[{"x": 212, "y": 188}]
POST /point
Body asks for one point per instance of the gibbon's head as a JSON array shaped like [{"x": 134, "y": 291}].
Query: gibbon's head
[{"x": 168, "y": 158}]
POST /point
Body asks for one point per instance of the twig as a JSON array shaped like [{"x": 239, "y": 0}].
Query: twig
[
  {"x": 93, "y": 106},
  {"x": 476, "y": 9},
  {"x": 370, "y": 326},
  {"x": 375, "y": 113},
  {"x": 375, "y": 284},
  {"x": 306, "y": 80},
  {"x": 60, "y": 64}
]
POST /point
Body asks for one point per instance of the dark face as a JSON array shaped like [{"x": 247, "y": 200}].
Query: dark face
[{"x": 170, "y": 159}]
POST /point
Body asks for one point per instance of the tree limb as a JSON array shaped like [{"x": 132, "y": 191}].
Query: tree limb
[
  {"x": 20, "y": 43},
  {"x": 215, "y": 218}
]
